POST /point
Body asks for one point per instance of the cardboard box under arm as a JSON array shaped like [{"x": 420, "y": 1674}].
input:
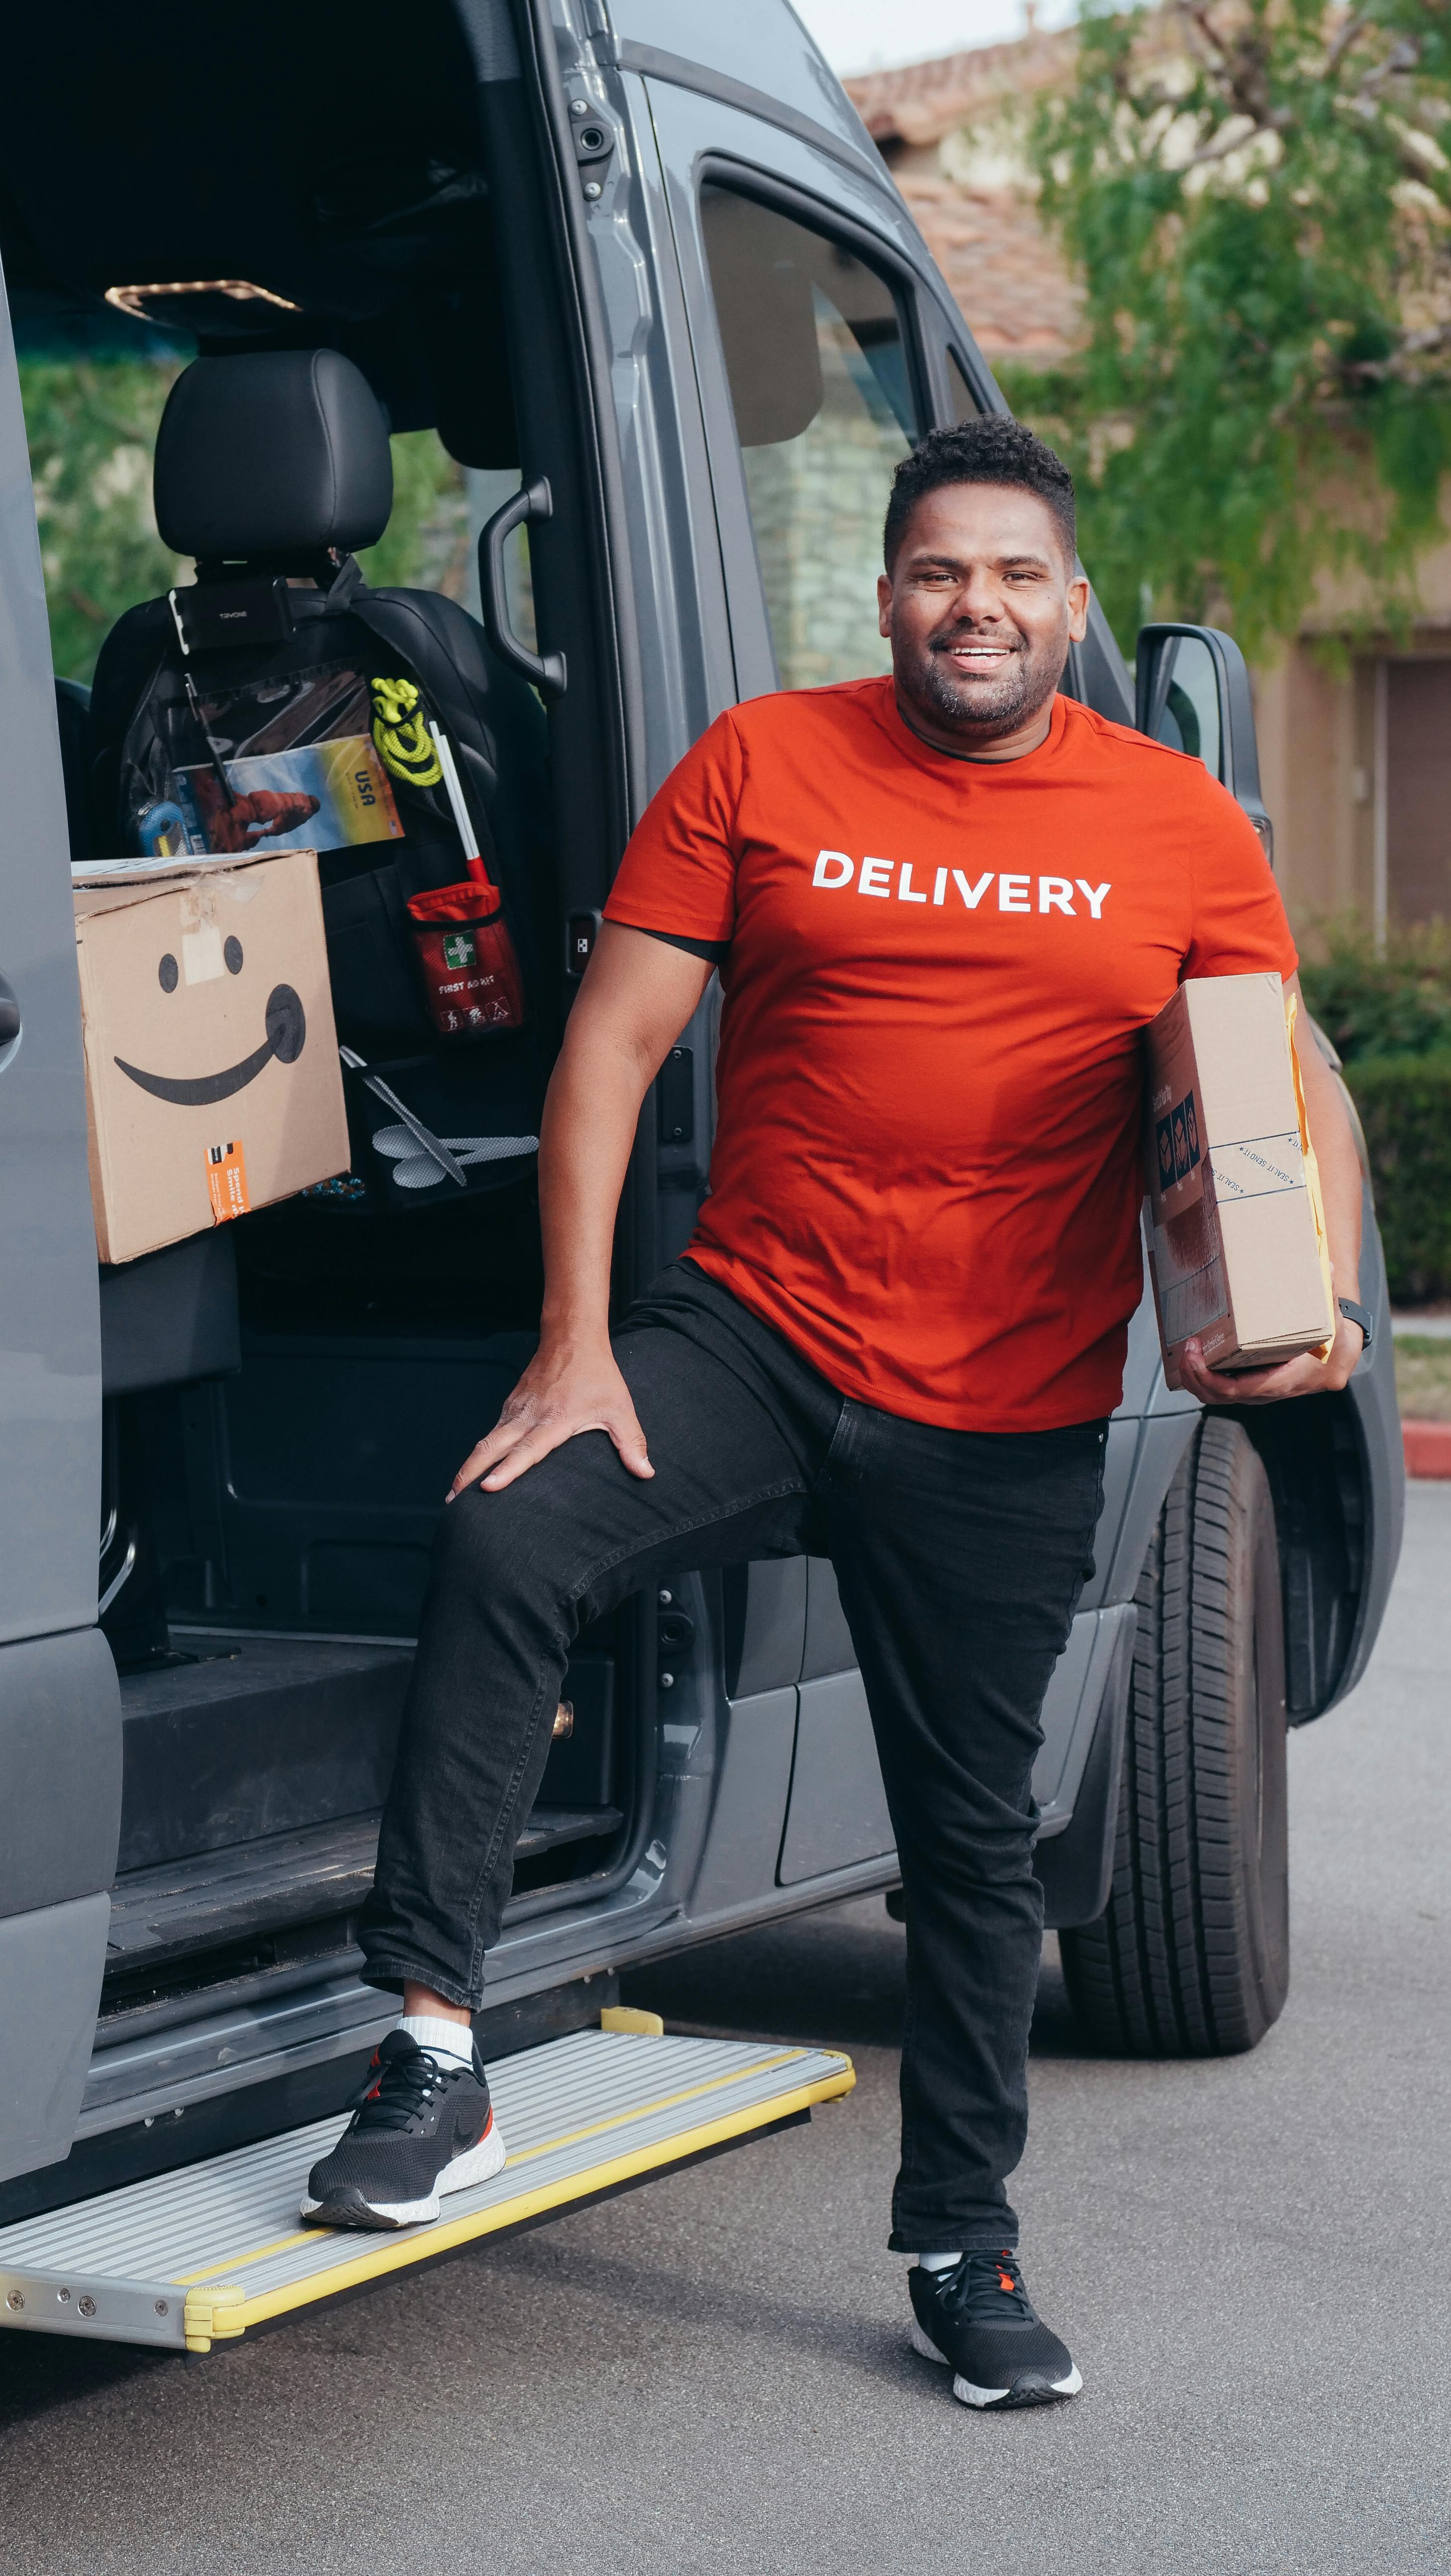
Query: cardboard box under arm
[
  {"x": 1233, "y": 1222},
  {"x": 212, "y": 1075}
]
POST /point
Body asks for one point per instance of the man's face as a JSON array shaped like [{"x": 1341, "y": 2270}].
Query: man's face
[{"x": 980, "y": 607}]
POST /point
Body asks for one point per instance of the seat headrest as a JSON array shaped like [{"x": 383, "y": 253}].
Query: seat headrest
[{"x": 282, "y": 452}]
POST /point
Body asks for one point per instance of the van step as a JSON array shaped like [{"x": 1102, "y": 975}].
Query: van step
[
  {"x": 261, "y": 1735},
  {"x": 195, "y": 2257},
  {"x": 214, "y": 1897},
  {"x": 254, "y": 1735}
]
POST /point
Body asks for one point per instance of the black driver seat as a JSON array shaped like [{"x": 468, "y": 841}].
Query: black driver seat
[{"x": 270, "y": 469}]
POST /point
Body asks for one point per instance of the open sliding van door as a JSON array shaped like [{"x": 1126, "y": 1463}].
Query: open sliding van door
[
  {"x": 824, "y": 346},
  {"x": 60, "y": 1735}
]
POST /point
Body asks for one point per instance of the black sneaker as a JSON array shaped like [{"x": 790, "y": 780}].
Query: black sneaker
[
  {"x": 421, "y": 2127},
  {"x": 979, "y": 2319}
]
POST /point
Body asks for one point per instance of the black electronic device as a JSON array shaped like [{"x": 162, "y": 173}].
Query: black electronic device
[{"x": 219, "y": 613}]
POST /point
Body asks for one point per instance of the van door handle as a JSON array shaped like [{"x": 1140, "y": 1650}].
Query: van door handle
[
  {"x": 9, "y": 1021},
  {"x": 531, "y": 504}
]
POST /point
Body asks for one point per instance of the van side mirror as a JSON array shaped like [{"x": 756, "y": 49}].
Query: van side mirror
[{"x": 1191, "y": 691}]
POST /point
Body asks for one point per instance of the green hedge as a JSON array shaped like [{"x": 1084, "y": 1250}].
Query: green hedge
[
  {"x": 1405, "y": 1108},
  {"x": 1388, "y": 1000}
]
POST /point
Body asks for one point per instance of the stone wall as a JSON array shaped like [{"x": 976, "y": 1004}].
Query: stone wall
[{"x": 818, "y": 502}]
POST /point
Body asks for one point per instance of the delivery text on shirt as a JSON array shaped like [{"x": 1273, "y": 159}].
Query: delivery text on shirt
[{"x": 835, "y": 871}]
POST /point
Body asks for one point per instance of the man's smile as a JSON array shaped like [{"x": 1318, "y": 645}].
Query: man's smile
[{"x": 975, "y": 653}]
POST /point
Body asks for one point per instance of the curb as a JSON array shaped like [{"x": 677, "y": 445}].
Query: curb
[{"x": 1428, "y": 1448}]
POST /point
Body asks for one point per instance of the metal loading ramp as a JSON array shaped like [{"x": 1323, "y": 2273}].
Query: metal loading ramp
[{"x": 192, "y": 2258}]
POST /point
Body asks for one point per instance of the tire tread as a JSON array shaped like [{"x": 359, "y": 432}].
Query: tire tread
[{"x": 1163, "y": 1972}]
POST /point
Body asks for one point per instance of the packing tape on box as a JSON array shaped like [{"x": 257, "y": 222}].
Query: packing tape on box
[
  {"x": 1312, "y": 1175},
  {"x": 1257, "y": 1167}
]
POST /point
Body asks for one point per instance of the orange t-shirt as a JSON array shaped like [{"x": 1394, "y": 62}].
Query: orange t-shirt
[{"x": 926, "y": 1170}]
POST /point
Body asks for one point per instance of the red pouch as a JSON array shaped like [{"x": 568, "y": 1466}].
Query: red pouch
[{"x": 471, "y": 978}]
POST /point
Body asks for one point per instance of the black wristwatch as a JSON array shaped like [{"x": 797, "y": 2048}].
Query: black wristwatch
[{"x": 1356, "y": 1315}]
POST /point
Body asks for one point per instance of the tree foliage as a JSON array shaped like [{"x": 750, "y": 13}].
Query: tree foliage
[
  {"x": 92, "y": 426},
  {"x": 1256, "y": 198}
]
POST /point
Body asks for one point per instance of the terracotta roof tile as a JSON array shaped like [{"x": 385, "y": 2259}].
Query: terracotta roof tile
[
  {"x": 1009, "y": 281},
  {"x": 920, "y": 102},
  {"x": 1009, "y": 278}
]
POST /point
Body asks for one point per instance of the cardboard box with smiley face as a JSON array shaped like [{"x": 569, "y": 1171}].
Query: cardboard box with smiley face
[{"x": 212, "y": 1076}]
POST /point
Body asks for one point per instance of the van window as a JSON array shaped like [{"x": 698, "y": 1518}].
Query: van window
[
  {"x": 93, "y": 400},
  {"x": 964, "y": 404},
  {"x": 93, "y": 403},
  {"x": 431, "y": 541},
  {"x": 816, "y": 356}
]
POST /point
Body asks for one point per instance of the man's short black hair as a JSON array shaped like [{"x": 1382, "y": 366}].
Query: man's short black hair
[{"x": 990, "y": 450}]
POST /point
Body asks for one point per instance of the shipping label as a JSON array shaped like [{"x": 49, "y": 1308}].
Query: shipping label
[{"x": 227, "y": 1182}]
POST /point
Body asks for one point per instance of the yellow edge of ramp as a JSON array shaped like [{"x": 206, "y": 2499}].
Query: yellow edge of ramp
[
  {"x": 542, "y": 2147},
  {"x": 222, "y": 2311}
]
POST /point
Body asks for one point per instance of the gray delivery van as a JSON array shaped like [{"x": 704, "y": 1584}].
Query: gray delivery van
[{"x": 637, "y": 268}]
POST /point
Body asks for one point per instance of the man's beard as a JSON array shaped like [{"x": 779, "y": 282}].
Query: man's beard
[{"x": 1023, "y": 687}]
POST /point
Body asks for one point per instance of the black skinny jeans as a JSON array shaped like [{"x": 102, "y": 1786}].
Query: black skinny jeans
[{"x": 960, "y": 1557}]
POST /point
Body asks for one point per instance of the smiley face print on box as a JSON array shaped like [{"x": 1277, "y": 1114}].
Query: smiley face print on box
[{"x": 284, "y": 1018}]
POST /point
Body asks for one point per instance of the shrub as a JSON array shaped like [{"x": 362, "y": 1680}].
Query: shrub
[
  {"x": 1370, "y": 1002},
  {"x": 1405, "y": 1107}
]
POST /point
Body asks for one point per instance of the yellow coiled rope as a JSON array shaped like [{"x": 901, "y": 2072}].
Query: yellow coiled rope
[{"x": 400, "y": 731}]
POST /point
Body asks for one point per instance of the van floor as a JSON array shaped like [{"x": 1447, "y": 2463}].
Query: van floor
[
  {"x": 222, "y": 1896},
  {"x": 254, "y": 1775}
]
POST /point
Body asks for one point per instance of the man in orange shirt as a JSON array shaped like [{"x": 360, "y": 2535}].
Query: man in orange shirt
[{"x": 944, "y": 906}]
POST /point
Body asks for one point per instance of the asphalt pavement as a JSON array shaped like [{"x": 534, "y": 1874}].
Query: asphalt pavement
[{"x": 1249, "y": 2258}]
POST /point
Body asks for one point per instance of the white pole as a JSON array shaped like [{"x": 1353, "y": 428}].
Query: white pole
[{"x": 444, "y": 749}]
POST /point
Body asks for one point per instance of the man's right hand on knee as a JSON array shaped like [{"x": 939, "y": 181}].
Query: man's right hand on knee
[
  {"x": 561, "y": 1394},
  {"x": 636, "y": 997}
]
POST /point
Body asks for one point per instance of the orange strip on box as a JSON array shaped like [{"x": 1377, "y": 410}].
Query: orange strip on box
[{"x": 227, "y": 1182}]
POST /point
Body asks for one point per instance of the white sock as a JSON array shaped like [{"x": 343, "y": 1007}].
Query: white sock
[
  {"x": 453, "y": 2041},
  {"x": 929, "y": 2262}
]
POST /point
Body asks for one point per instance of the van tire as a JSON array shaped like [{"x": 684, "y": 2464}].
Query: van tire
[{"x": 1192, "y": 1956}]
